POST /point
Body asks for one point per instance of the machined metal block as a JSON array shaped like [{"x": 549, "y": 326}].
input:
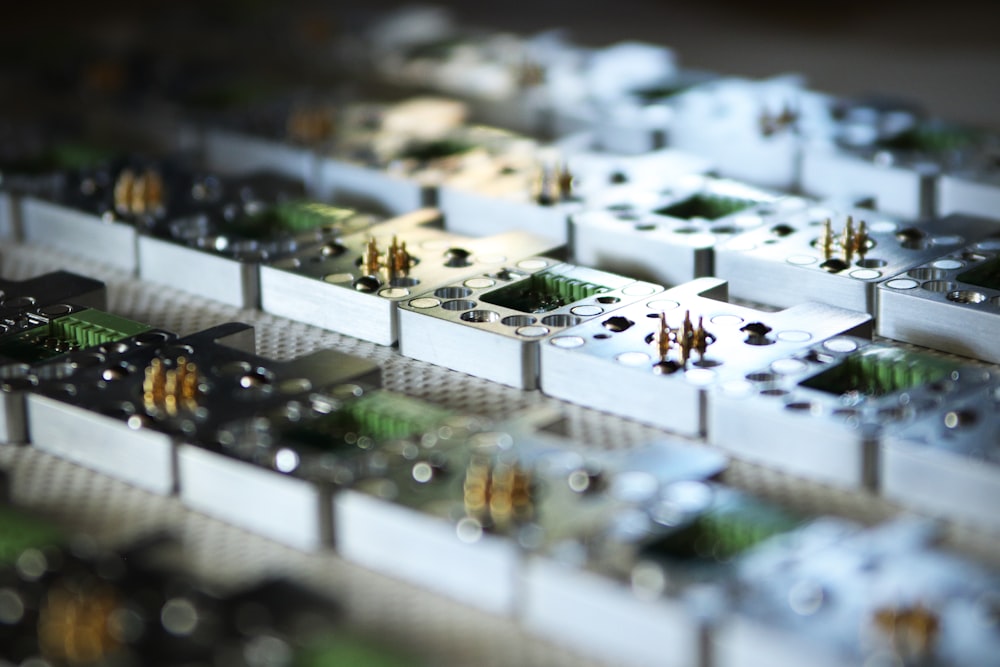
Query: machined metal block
[
  {"x": 230, "y": 280},
  {"x": 879, "y": 593},
  {"x": 477, "y": 569},
  {"x": 10, "y": 228},
  {"x": 236, "y": 153},
  {"x": 804, "y": 259},
  {"x": 368, "y": 187},
  {"x": 478, "y": 213},
  {"x": 672, "y": 348},
  {"x": 832, "y": 404},
  {"x": 950, "y": 304},
  {"x": 336, "y": 287},
  {"x": 144, "y": 458},
  {"x": 751, "y": 130},
  {"x": 893, "y": 189},
  {"x": 973, "y": 194},
  {"x": 284, "y": 508},
  {"x": 668, "y": 235},
  {"x": 493, "y": 324},
  {"x": 946, "y": 462},
  {"x": 600, "y": 616},
  {"x": 75, "y": 232}
]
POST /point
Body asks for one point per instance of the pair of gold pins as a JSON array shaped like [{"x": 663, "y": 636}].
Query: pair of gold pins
[
  {"x": 687, "y": 338},
  {"x": 397, "y": 260},
  {"x": 139, "y": 193},
  {"x": 852, "y": 242}
]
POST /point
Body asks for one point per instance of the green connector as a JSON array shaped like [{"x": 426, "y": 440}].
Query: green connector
[
  {"x": 543, "y": 292},
  {"x": 292, "y": 216},
  {"x": 79, "y": 330},
  {"x": 378, "y": 415},
  {"x": 725, "y": 532},
  {"x": 879, "y": 372},
  {"x": 985, "y": 274},
  {"x": 93, "y": 327},
  {"x": 343, "y": 650},
  {"x": 435, "y": 150},
  {"x": 706, "y": 206},
  {"x": 935, "y": 138},
  {"x": 19, "y": 532}
]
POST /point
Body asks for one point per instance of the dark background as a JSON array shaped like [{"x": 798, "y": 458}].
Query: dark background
[{"x": 947, "y": 57}]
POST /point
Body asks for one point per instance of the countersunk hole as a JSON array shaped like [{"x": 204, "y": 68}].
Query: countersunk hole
[
  {"x": 151, "y": 338},
  {"x": 404, "y": 281},
  {"x": 872, "y": 263},
  {"x": 465, "y": 304},
  {"x": 966, "y": 296},
  {"x": 452, "y": 292},
  {"x": 617, "y": 323},
  {"x": 602, "y": 336},
  {"x": 939, "y": 286},
  {"x": 761, "y": 377},
  {"x": 783, "y": 230},
  {"x": 926, "y": 274},
  {"x": 479, "y": 315},
  {"x": 834, "y": 265},
  {"x": 457, "y": 258},
  {"x": 560, "y": 320},
  {"x": 518, "y": 320},
  {"x": 608, "y": 299}
]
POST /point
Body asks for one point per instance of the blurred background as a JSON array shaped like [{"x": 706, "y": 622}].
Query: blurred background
[{"x": 946, "y": 57}]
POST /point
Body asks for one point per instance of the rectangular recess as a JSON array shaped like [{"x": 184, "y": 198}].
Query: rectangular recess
[
  {"x": 877, "y": 373},
  {"x": 706, "y": 206},
  {"x": 542, "y": 292},
  {"x": 984, "y": 274}
]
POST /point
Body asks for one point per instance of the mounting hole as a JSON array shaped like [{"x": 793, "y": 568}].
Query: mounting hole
[
  {"x": 872, "y": 263},
  {"x": 404, "y": 281},
  {"x": 761, "y": 377},
  {"x": 425, "y": 302},
  {"x": 480, "y": 316},
  {"x": 926, "y": 273},
  {"x": 465, "y": 304},
  {"x": 966, "y": 296},
  {"x": 518, "y": 320},
  {"x": 560, "y": 320},
  {"x": 939, "y": 286},
  {"x": 568, "y": 342},
  {"x": 452, "y": 292},
  {"x": 608, "y": 299},
  {"x": 532, "y": 331}
]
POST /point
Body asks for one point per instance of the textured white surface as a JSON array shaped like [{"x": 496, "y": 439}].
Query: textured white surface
[{"x": 433, "y": 627}]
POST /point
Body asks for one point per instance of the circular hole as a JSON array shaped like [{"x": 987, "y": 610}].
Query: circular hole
[
  {"x": 425, "y": 302},
  {"x": 632, "y": 358},
  {"x": 608, "y": 299},
  {"x": 724, "y": 229},
  {"x": 866, "y": 274},
  {"x": 19, "y": 302},
  {"x": 783, "y": 230},
  {"x": 834, "y": 265},
  {"x": 686, "y": 230},
  {"x": 481, "y": 316},
  {"x": 645, "y": 227},
  {"x": 761, "y": 377},
  {"x": 794, "y": 336},
  {"x": 948, "y": 264},
  {"x": 773, "y": 392},
  {"x": 902, "y": 283},
  {"x": 939, "y": 286},
  {"x": 586, "y": 311},
  {"x": 404, "y": 281},
  {"x": 151, "y": 338},
  {"x": 568, "y": 341},
  {"x": 367, "y": 284},
  {"x": 966, "y": 296},
  {"x": 394, "y": 292},
  {"x": 337, "y": 278},
  {"x": 926, "y": 273},
  {"x": 480, "y": 283},
  {"x": 452, "y": 292},
  {"x": 872, "y": 263},
  {"x": 799, "y": 406},
  {"x": 532, "y": 331},
  {"x": 532, "y": 264},
  {"x": 602, "y": 336},
  {"x": 801, "y": 260},
  {"x": 518, "y": 320},
  {"x": 55, "y": 310},
  {"x": 465, "y": 304},
  {"x": 560, "y": 320},
  {"x": 617, "y": 323},
  {"x": 457, "y": 258},
  {"x": 989, "y": 244},
  {"x": 840, "y": 345}
]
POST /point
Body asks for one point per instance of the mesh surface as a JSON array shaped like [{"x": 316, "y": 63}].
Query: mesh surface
[{"x": 445, "y": 632}]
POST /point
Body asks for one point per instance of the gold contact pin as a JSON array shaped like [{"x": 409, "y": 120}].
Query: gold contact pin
[
  {"x": 663, "y": 338},
  {"x": 826, "y": 241},
  {"x": 847, "y": 242},
  {"x": 861, "y": 239},
  {"x": 702, "y": 339},
  {"x": 370, "y": 265},
  {"x": 123, "y": 191},
  {"x": 564, "y": 180}
]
